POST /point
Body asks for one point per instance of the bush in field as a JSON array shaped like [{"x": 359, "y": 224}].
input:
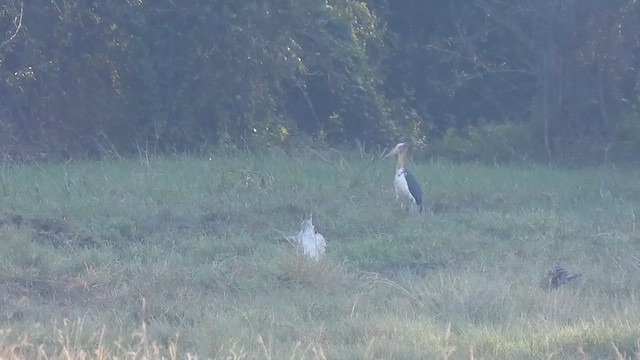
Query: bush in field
[
  {"x": 491, "y": 143},
  {"x": 627, "y": 134}
]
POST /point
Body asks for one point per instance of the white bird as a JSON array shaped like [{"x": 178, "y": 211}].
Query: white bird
[
  {"x": 405, "y": 184},
  {"x": 312, "y": 244}
]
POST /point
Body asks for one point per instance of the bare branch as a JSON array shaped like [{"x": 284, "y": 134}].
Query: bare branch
[{"x": 18, "y": 25}]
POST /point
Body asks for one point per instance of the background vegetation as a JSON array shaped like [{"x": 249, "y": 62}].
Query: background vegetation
[{"x": 483, "y": 79}]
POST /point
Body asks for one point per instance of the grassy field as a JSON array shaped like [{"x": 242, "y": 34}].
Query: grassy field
[{"x": 187, "y": 257}]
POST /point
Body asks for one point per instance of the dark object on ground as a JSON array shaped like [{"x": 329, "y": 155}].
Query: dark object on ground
[{"x": 559, "y": 276}]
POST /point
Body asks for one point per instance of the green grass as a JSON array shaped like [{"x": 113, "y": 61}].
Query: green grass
[{"x": 178, "y": 257}]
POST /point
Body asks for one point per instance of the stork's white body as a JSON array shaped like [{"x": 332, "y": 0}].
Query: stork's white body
[{"x": 403, "y": 194}]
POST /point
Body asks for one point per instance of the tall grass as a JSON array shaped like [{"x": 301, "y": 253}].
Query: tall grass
[{"x": 187, "y": 257}]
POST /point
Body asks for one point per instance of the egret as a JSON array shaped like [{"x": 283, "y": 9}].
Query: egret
[
  {"x": 405, "y": 184},
  {"x": 312, "y": 243}
]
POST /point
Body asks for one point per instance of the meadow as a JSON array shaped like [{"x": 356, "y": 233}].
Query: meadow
[{"x": 186, "y": 257}]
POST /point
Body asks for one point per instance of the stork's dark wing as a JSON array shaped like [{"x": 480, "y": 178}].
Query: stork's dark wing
[{"x": 414, "y": 187}]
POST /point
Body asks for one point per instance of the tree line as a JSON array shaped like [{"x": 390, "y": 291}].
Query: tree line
[{"x": 548, "y": 80}]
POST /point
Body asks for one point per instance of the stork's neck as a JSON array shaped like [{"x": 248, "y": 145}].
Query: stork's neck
[{"x": 401, "y": 156}]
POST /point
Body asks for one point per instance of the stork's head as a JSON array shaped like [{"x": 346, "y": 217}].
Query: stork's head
[{"x": 400, "y": 148}]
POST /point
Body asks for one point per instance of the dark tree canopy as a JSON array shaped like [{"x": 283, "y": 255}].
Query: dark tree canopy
[{"x": 480, "y": 79}]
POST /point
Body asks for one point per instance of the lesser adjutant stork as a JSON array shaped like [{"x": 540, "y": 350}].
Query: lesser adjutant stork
[{"x": 405, "y": 184}]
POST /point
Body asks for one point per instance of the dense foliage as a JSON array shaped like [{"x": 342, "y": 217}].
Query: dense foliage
[{"x": 480, "y": 79}]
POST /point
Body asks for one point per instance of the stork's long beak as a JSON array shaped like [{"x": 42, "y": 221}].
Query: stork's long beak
[{"x": 391, "y": 153}]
